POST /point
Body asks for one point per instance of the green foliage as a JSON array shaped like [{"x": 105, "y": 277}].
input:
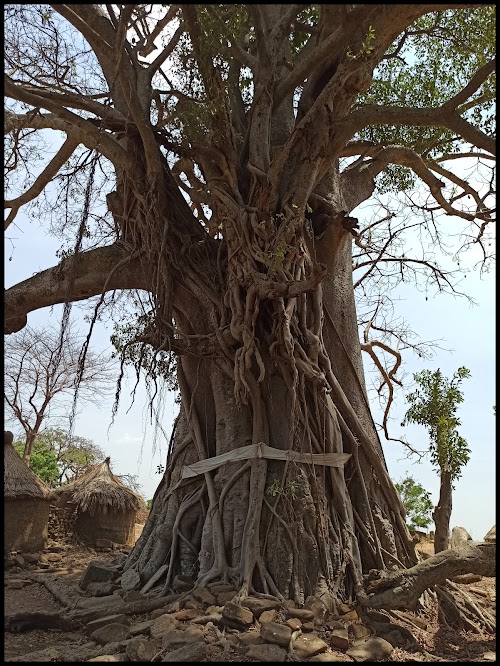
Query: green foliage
[
  {"x": 55, "y": 457},
  {"x": 291, "y": 489},
  {"x": 149, "y": 503},
  {"x": 434, "y": 404},
  {"x": 142, "y": 356},
  {"x": 366, "y": 46},
  {"x": 43, "y": 461},
  {"x": 417, "y": 502},
  {"x": 431, "y": 63}
]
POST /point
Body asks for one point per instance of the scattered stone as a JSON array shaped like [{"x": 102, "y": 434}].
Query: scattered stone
[
  {"x": 359, "y": 631},
  {"x": 176, "y": 639},
  {"x": 276, "y": 633},
  {"x": 330, "y": 656},
  {"x": 110, "y": 657},
  {"x": 140, "y": 627},
  {"x": 351, "y": 616},
  {"x": 103, "y": 543},
  {"x": 119, "y": 618},
  {"x": 269, "y": 616},
  {"x": 308, "y": 645},
  {"x": 339, "y": 639},
  {"x": 111, "y": 633},
  {"x": 294, "y": 623},
  {"x": 205, "y": 619},
  {"x": 154, "y": 579},
  {"x": 266, "y": 652},
  {"x": 318, "y": 607},
  {"x": 42, "y": 565},
  {"x": 224, "y": 597},
  {"x": 302, "y": 613},
  {"x": 163, "y": 625},
  {"x": 251, "y": 637},
  {"x": 102, "y": 589},
  {"x": 308, "y": 626},
  {"x": 204, "y": 595},
  {"x": 132, "y": 595},
  {"x": 192, "y": 604},
  {"x": 182, "y": 583},
  {"x": 186, "y": 614},
  {"x": 490, "y": 656},
  {"x": 31, "y": 558},
  {"x": 139, "y": 649},
  {"x": 334, "y": 624},
  {"x": 194, "y": 652},
  {"x": 343, "y": 608},
  {"x": 258, "y": 606},
  {"x": 96, "y": 572},
  {"x": 159, "y": 611},
  {"x": 466, "y": 579},
  {"x": 370, "y": 649},
  {"x": 131, "y": 580},
  {"x": 236, "y": 616},
  {"x": 53, "y": 557},
  {"x": 19, "y": 560}
]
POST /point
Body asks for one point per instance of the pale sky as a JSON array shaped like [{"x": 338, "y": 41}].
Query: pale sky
[{"x": 468, "y": 331}]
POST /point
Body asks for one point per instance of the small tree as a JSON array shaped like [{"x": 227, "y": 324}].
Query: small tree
[
  {"x": 64, "y": 458},
  {"x": 41, "y": 368},
  {"x": 417, "y": 502},
  {"x": 43, "y": 461},
  {"x": 434, "y": 404},
  {"x": 74, "y": 455}
]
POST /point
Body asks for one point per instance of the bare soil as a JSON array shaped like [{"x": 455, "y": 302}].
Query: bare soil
[{"x": 441, "y": 643}]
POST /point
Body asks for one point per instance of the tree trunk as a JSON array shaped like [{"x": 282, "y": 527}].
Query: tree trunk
[
  {"x": 442, "y": 513},
  {"x": 28, "y": 447},
  {"x": 285, "y": 528}
]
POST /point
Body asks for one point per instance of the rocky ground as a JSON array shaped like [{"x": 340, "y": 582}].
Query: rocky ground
[{"x": 108, "y": 620}]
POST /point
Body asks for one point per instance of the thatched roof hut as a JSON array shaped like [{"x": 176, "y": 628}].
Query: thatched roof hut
[
  {"x": 26, "y": 503},
  {"x": 105, "y": 508}
]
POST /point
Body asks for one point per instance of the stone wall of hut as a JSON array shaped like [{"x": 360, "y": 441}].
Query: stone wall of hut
[{"x": 62, "y": 521}]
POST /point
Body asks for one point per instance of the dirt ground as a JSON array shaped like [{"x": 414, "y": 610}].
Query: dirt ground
[{"x": 443, "y": 644}]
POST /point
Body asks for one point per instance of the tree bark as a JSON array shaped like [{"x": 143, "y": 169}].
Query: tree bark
[{"x": 442, "y": 513}]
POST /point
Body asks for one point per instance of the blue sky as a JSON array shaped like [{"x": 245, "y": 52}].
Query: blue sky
[{"x": 468, "y": 331}]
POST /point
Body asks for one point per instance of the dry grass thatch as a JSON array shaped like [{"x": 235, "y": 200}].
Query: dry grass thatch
[
  {"x": 18, "y": 480},
  {"x": 99, "y": 489}
]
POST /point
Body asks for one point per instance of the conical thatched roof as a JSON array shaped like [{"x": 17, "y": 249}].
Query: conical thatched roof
[
  {"x": 99, "y": 488},
  {"x": 18, "y": 480}
]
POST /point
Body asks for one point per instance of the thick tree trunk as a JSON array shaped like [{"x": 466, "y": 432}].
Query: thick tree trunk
[
  {"x": 442, "y": 513},
  {"x": 285, "y": 528}
]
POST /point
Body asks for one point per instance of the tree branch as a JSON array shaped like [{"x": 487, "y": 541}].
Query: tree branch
[
  {"x": 51, "y": 170},
  {"x": 403, "y": 589},
  {"x": 86, "y": 274},
  {"x": 81, "y": 129}
]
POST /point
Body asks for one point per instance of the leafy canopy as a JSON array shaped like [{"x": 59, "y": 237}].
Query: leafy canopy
[
  {"x": 434, "y": 405},
  {"x": 43, "y": 461},
  {"x": 417, "y": 502}
]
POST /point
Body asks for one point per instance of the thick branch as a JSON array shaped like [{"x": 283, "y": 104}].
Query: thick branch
[
  {"x": 82, "y": 130},
  {"x": 402, "y": 589},
  {"x": 74, "y": 279}
]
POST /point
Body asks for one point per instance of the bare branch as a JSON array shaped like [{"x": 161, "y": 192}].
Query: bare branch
[
  {"x": 51, "y": 170},
  {"x": 79, "y": 129}
]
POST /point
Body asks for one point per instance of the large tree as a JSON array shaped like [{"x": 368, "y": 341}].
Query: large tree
[{"x": 238, "y": 140}]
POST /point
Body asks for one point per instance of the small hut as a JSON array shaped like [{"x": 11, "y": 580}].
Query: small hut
[
  {"x": 104, "y": 508},
  {"x": 26, "y": 503}
]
